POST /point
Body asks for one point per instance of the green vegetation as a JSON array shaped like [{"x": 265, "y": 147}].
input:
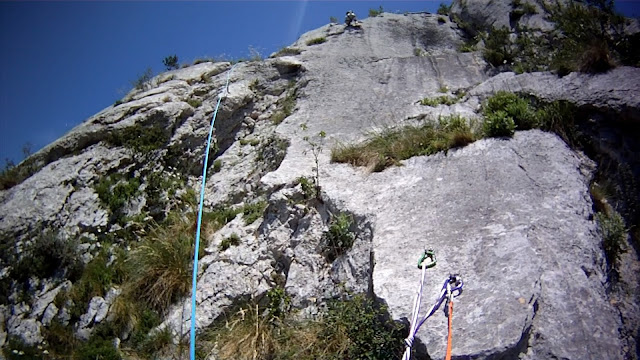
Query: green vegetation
[
  {"x": 170, "y": 62},
  {"x": 16, "y": 349},
  {"x": 316, "y": 41},
  {"x": 443, "y": 9},
  {"x": 141, "y": 139},
  {"x": 115, "y": 191},
  {"x": 288, "y": 51},
  {"x": 440, "y": 100},
  {"x": 338, "y": 238},
  {"x": 390, "y": 146},
  {"x": 589, "y": 38},
  {"x": 253, "y": 211},
  {"x": 195, "y": 103},
  {"x": 217, "y": 165},
  {"x": 498, "y": 123},
  {"x": 315, "y": 145},
  {"x": 12, "y": 175},
  {"x": 468, "y": 46},
  {"x": 351, "y": 328},
  {"x": 160, "y": 267},
  {"x": 504, "y": 112},
  {"x": 231, "y": 240},
  {"x": 614, "y": 236},
  {"x": 333, "y": 20},
  {"x": 48, "y": 255},
  {"x": 286, "y": 105},
  {"x": 497, "y": 49},
  {"x": 309, "y": 187},
  {"x": 143, "y": 81},
  {"x": 252, "y": 142},
  {"x": 374, "y": 12}
]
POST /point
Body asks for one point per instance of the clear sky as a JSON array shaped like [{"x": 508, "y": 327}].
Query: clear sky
[{"x": 61, "y": 62}]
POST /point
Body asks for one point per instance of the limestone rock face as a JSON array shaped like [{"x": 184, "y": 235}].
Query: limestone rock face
[
  {"x": 484, "y": 14},
  {"x": 513, "y": 216}
]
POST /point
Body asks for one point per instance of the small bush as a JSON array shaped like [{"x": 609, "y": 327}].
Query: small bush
[
  {"x": 170, "y": 62},
  {"x": 374, "y": 12},
  {"x": 497, "y": 49},
  {"x": 12, "y": 175},
  {"x": 333, "y": 20},
  {"x": 278, "y": 117},
  {"x": 16, "y": 349},
  {"x": 309, "y": 188},
  {"x": 139, "y": 138},
  {"x": 529, "y": 8},
  {"x": 143, "y": 80},
  {"x": 596, "y": 58},
  {"x": 316, "y": 41},
  {"x": 498, "y": 123},
  {"x": 217, "y": 165},
  {"x": 441, "y": 20},
  {"x": 232, "y": 240},
  {"x": 60, "y": 339},
  {"x": 98, "y": 277},
  {"x": 614, "y": 236},
  {"x": 114, "y": 192},
  {"x": 48, "y": 256},
  {"x": 515, "y": 107},
  {"x": 97, "y": 348},
  {"x": 252, "y": 212},
  {"x": 195, "y": 103},
  {"x": 467, "y": 46},
  {"x": 443, "y": 9},
  {"x": 360, "y": 329},
  {"x": 339, "y": 238}
]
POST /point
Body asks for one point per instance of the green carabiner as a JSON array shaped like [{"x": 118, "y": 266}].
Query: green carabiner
[{"x": 427, "y": 254}]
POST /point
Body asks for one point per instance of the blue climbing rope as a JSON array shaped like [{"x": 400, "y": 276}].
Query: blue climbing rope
[{"x": 197, "y": 242}]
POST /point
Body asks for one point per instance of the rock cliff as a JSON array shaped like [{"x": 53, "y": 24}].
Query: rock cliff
[{"x": 513, "y": 215}]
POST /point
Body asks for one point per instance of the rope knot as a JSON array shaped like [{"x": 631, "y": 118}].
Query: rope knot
[{"x": 409, "y": 342}]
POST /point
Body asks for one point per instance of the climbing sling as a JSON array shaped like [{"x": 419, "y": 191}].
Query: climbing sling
[{"x": 451, "y": 288}]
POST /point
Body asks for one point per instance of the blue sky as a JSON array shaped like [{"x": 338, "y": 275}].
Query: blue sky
[{"x": 62, "y": 62}]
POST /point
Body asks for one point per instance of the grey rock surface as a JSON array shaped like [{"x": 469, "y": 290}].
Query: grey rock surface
[
  {"x": 615, "y": 91},
  {"x": 513, "y": 216},
  {"x": 483, "y": 14}
]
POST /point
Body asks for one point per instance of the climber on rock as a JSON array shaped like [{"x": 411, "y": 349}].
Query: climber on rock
[{"x": 350, "y": 18}]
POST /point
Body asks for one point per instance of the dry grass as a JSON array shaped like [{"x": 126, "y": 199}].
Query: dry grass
[
  {"x": 161, "y": 266},
  {"x": 390, "y": 146}
]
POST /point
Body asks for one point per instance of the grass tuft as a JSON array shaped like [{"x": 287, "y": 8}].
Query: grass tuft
[
  {"x": 388, "y": 147},
  {"x": 440, "y": 100},
  {"x": 232, "y": 240},
  {"x": 316, "y": 41},
  {"x": 614, "y": 236}
]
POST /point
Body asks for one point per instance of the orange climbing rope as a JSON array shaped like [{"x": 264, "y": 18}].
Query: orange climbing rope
[{"x": 448, "y": 355}]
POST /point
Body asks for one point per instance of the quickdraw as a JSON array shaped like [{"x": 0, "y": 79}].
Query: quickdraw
[{"x": 452, "y": 287}]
